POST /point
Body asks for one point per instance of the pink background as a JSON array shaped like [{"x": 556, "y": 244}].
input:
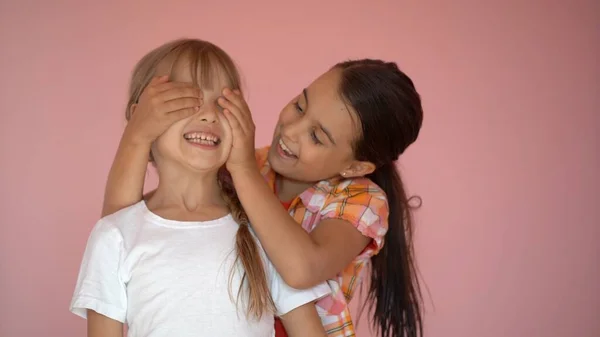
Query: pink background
[{"x": 507, "y": 162}]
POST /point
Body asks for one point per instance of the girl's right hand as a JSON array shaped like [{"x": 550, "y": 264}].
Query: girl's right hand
[{"x": 161, "y": 104}]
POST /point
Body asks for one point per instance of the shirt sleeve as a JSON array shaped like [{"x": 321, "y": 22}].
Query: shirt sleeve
[
  {"x": 287, "y": 298},
  {"x": 99, "y": 284},
  {"x": 364, "y": 205}
]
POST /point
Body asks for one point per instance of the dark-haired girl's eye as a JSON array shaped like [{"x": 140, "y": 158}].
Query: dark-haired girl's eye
[
  {"x": 315, "y": 139},
  {"x": 298, "y": 107},
  {"x": 313, "y": 133}
]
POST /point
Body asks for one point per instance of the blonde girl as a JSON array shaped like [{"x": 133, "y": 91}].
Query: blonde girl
[{"x": 184, "y": 262}]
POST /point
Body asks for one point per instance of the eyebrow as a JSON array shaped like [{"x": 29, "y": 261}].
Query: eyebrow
[
  {"x": 327, "y": 133},
  {"x": 305, "y": 96}
]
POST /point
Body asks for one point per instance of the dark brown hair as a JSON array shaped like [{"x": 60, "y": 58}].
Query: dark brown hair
[
  {"x": 391, "y": 115},
  {"x": 208, "y": 60}
]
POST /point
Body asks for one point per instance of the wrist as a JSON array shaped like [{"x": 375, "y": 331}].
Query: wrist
[
  {"x": 249, "y": 171},
  {"x": 134, "y": 148},
  {"x": 131, "y": 139}
]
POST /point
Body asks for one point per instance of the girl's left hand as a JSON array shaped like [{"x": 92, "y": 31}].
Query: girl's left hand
[{"x": 235, "y": 109}]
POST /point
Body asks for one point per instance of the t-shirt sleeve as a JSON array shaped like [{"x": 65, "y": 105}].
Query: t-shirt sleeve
[
  {"x": 99, "y": 285},
  {"x": 365, "y": 206},
  {"x": 287, "y": 298}
]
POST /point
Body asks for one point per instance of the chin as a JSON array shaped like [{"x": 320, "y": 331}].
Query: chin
[
  {"x": 274, "y": 160},
  {"x": 203, "y": 167},
  {"x": 279, "y": 167}
]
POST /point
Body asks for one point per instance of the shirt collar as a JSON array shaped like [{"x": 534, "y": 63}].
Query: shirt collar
[{"x": 323, "y": 187}]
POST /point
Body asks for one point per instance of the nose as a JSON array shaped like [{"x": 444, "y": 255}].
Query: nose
[
  {"x": 208, "y": 113},
  {"x": 293, "y": 129}
]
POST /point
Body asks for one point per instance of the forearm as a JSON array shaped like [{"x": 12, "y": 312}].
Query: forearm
[
  {"x": 290, "y": 248},
  {"x": 125, "y": 183},
  {"x": 101, "y": 326}
]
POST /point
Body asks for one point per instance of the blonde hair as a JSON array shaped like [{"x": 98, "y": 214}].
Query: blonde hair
[{"x": 210, "y": 61}]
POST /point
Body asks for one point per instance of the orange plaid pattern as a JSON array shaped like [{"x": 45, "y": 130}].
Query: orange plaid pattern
[{"x": 358, "y": 201}]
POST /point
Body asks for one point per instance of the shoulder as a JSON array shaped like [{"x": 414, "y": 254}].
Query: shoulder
[
  {"x": 115, "y": 226},
  {"x": 356, "y": 186},
  {"x": 361, "y": 203},
  {"x": 134, "y": 211},
  {"x": 105, "y": 236},
  {"x": 357, "y": 192}
]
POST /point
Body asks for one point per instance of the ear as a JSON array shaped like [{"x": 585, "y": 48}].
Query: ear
[
  {"x": 358, "y": 169},
  {"x": 132, "y": 110}
]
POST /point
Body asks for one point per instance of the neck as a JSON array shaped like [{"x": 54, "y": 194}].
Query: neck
[
  {"x": 288, "y": 189},
  {"x": 183, "y": 189}
]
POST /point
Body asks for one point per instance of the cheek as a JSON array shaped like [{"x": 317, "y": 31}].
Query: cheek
[
  {"x": 287, "y": 114},
  {"x": 226, "y": 135},
  {"x": 321, "y": 159},
  {"x": 165, "y": 144},
  {"x": 311, "y": 155},
  {"x": 171, "y": 138}
]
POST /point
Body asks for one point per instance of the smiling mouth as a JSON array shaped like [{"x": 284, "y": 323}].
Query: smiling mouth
[
  {"x": 285, "y": 150},
  {"x": 202, "y": 138}
]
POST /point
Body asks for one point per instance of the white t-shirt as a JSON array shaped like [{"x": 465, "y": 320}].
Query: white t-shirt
[{"x": 170, "y": 278}]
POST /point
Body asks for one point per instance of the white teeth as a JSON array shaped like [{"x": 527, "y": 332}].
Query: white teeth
[
  {"x": 285, "y": 148},
  {"x": 196, "y": 136},
  {"x": 202, "y": 141}
]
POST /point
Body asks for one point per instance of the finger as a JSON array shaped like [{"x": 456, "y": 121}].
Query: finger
[
  {"x": 180, "y": 114},
  {"x": 234, "y": 98},
  {"x": 233, "y": 110},
  {"x": 237, "y": 99},
  {"x": 154, "y": 82},
  {"x": 234, "y": 124},
  {"x": 179, "y": 104},
  {"x": 160, "y": 87},
  {"x": 179, "y": 92}
]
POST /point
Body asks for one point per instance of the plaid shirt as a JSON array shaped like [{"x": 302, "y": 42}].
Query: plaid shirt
[{"x": 358, "y": 201}]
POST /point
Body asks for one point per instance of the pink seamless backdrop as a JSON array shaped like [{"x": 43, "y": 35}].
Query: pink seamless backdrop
[{"x": 507, "y": 163}]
